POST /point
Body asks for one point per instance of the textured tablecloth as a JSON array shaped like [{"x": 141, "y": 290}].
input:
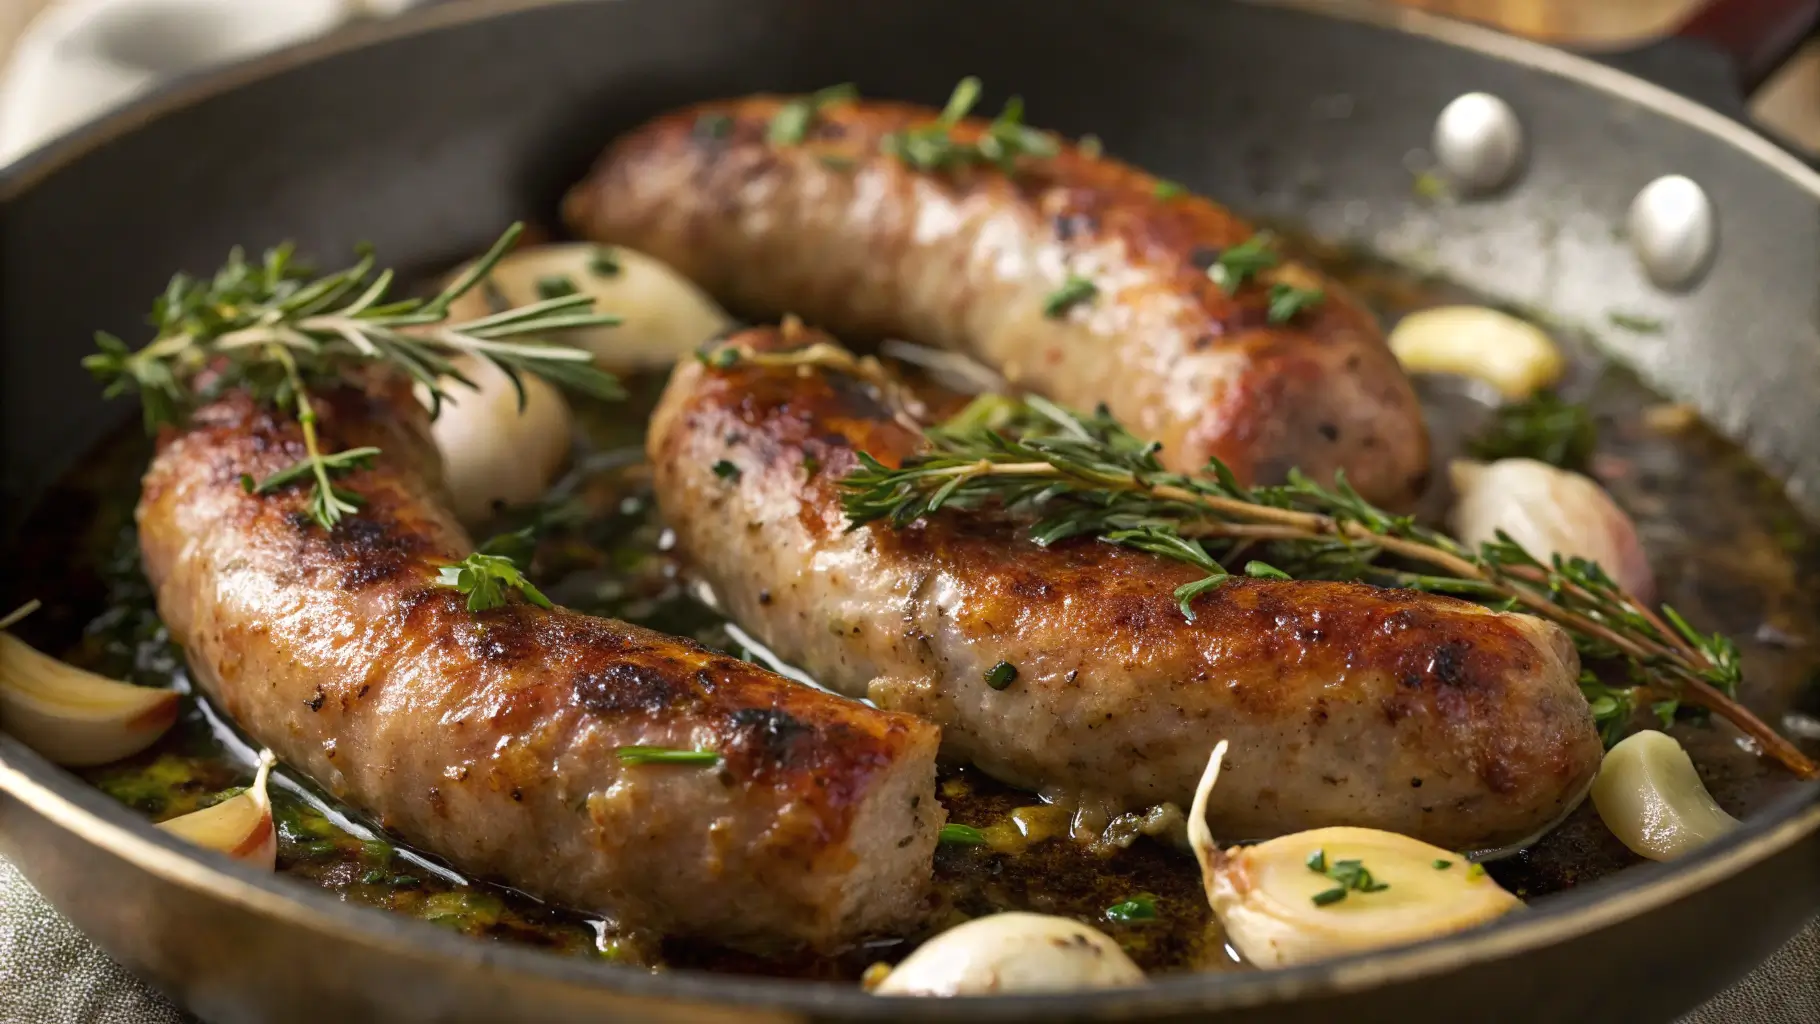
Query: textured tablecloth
[{"x": 50, "y": 974}]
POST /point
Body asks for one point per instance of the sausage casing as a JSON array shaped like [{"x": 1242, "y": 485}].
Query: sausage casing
[
  {"x": 856, "y": 242},
  {"x": 1344, "y": 703},
  {"x": 490, "y": 738}
]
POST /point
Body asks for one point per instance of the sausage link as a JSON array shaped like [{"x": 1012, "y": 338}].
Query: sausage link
[
  {"x": 1345, "y": 703},
  {"x": 490, "y": 738},
  {"x": 860, "y": 244}
]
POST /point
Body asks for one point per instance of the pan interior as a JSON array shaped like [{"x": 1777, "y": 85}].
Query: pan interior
[{"x": 1303, "y": 143}]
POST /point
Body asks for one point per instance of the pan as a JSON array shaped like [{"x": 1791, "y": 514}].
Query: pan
[{"x": 425, "y": 135}]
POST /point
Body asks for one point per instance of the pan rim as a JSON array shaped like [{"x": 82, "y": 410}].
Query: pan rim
[{"x": 71, "y": 804}]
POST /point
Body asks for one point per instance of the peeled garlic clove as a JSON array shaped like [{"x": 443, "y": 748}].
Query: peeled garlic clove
[
  {"x": 1012, "y": 952},
  {"x": 240, "y": 826},
  {"x": 1279, "y": 910},
  {"x": 1550, "y": 511},
  {"x": 1652, "y": 799},
  {"x": 73, "y": 717},
  {"x": 664, "y": 316},
  {"x": 1512, "y": 355},
  {"x": 493, "y": 453}
]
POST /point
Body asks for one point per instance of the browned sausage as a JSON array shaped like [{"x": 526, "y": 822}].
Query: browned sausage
[
  {"x": 858, "y": 243},
  {"x": 1344, "y": 703},
  {"x": 490, "y": 738}
]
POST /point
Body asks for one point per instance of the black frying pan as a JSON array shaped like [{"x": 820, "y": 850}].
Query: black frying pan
[{"x": 427, "y": 135}]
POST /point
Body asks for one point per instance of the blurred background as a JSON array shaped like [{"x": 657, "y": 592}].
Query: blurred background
[{"x": 62, "y": 61}]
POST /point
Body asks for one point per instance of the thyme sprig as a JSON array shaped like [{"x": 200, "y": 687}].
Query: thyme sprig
[
  {"x": 1076, "y": 475},
  {"x": 279, "y": 331}
]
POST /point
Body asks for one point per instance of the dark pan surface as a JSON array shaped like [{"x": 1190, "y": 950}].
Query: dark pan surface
[{"x": 445, "y": 127}]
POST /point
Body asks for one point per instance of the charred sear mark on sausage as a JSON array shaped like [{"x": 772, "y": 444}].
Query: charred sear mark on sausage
[
  {"x": 625, "y": 687},
  {"x": 768, "y": 735},
  {"x": 370, "y": 549}
]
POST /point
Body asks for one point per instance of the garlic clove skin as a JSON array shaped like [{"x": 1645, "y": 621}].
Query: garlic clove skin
[
  {"x": 1514, "y": 356},
  {"x": 1549, "y": 511},
  {"x": 240, "y": 826},
  {"x": 493, "y": 453},
  {"x": 77, "y": 718},
  {"x": 1264, "y": 895},
  {"x": 1012, "y": 952},
  {"x": 664, "y": 316},
  {"x": 1651, "y": 797}
]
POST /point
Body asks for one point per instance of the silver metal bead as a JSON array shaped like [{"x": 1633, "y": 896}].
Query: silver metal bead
[
  {"x": 1478, "y": 141},
  {"x": 1672, "y": 230}
]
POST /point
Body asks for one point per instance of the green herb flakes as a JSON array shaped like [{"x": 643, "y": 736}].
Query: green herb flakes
[
  {"x": 790, "y": 125},
  {"x": 1073, "y": 292},
  {"x": 1634, "y": 323},
  {"x": 604, "y": 262},
  {"x": 666, "y": 755},
  {"x": 961, "y": 835},
  {"x": 1351, "y": 876},
  {"x": 1001, "y": 675},
  {"x": 1235, "y": 265},
  {"x": 713, "y": 126},
  {"x": 1141, "y": 907},
  {"x": 1287, "y": 301},
  {"x": 556, "y": 286}
]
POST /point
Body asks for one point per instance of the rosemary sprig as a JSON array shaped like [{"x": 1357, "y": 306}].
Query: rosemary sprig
[
  {"x": 276, "y": 330},
  {"x": 1086, "y": 476}
]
